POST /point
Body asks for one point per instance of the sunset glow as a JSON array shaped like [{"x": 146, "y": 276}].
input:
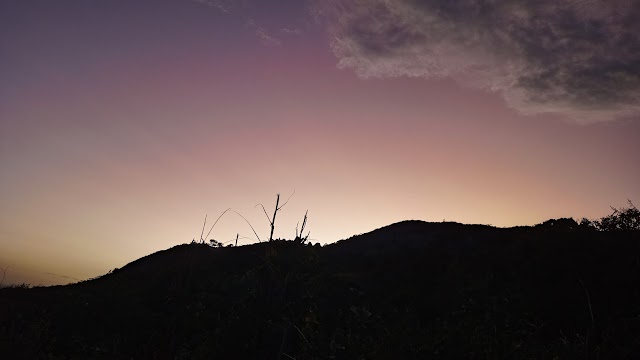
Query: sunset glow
[{"x": 123, "y": 123}]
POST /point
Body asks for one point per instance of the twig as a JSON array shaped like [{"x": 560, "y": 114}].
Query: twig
[
  {"x": 273, "y": 220},
  {"x": 301, "y": 334},
  {"x": 284, "y": 339},
  {"x": 289, "y": 198},
  {"x": 214, "y": 224},
  {"x": 300, "y": 236},
  {"x": 304, "y": 222},
  {"x": 4, "y": 273},
  {"x": 588, "y": 301},
  {"x": 203, "y": 225},
  {"x": 265, "y": 213},
  {"x": 586, "y": 341},
  {"x": 247, "y": 221}
]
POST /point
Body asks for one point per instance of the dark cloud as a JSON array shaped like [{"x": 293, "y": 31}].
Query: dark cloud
[{"x": 580, "y": 58}]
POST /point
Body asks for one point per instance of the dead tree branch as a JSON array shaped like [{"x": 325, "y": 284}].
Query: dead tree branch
[
  {"x": 214, "y": 224},
  {"x": 247, "y": 221},
  {"x": 203, "y": 225},
  {"x": 289, "y": 198},
  {"x": 300, "y": 236},
  {"x": 278, "y": 207},
  {"x": 273, "y": 220},
  {"x": 4, "y": 273}
]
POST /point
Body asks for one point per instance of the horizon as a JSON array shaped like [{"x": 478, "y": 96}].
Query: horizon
[
  {"x": 123, "y": 124},
  {"x": 58, "y": 279}
]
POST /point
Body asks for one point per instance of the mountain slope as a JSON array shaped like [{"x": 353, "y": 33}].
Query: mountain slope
[{"x": 408, "y": 290}]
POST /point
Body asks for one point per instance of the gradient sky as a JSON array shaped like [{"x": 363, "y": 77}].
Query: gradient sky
[{"x": 122, "y": 123}]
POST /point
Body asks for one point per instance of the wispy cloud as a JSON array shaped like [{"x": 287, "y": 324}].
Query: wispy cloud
[
  {"x": 223, "y": 5},
  {"x": 239, "y": 7},
  {"x": 580, "y": 58},
  {"x": 263, "y": 35},
  {"x": 294, "y": 31}
]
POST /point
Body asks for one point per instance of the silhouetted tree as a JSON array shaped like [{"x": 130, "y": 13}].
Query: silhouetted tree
[
  {"x": 272, "y": 220},
  {"x": 559, "y": 224},
  {"x": 625, "y": 218},
  {"x": 215, "y": 243}
]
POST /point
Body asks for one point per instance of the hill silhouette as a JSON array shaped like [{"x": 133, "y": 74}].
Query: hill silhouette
[{"x": 411, "y": 290}]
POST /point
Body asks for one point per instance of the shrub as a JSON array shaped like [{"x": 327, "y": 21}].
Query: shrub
[{"x": 625, "y": 218}]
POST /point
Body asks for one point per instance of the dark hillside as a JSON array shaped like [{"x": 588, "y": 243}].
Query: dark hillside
[{"x": 409, "y": 290}]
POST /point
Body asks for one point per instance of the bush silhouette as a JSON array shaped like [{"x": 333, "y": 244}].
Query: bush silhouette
[{"x": 621, "y": 219}]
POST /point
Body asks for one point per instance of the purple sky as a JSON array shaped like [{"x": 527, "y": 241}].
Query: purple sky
[{"x": 122, "y": 123}]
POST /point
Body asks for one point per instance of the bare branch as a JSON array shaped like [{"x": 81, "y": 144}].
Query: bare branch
[
  {"x": 588, "y": 301},
  {"x": 304, "y": 222},
  {"x": 265, "y": 212},
  {"x": 203, "y": 225},
  {"x": 247, "y": 221},
  {"x": 273, "y": 220},
  {"x": 301, "y": 334},
  {"x": 214, "y": 224},
  {"x": 300, "y": 235},
  {"x": 4, "y": 273},
  {"x": 285, "y": 203}
]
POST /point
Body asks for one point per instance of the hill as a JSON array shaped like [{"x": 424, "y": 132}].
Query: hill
[{"x": 411, "y": 290}]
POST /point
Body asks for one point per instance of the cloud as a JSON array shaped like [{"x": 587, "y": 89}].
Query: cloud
[
  {"x": 229, "y": 6},
  {"x": 580, "y": 58},
  {"x": 263, "y": 35},
  {"x": 223, "y": 5},
  {"x": 293, "y": 31},
  {"x": 266, "y": 38}
]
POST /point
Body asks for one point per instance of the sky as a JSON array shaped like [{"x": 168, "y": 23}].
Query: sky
[{"x": 124, "y": 123}]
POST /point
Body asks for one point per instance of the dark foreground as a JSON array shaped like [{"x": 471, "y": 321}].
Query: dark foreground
[{"x": 412, "y": 290}]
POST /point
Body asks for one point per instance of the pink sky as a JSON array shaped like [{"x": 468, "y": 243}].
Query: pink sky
[{"x": 120, "y": 130}]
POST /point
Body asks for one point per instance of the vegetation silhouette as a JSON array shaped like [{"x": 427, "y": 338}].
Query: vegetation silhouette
[
  {"x": 411, "y": 290},
  {"x": 625, "y": 218}
]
